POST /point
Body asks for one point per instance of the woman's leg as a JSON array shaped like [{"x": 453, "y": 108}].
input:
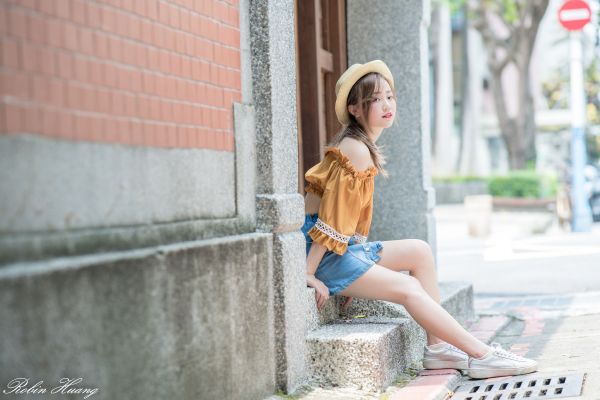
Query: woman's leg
[
  {"x": 384, "y": 284},
  {"x": 416, "y": 257}
]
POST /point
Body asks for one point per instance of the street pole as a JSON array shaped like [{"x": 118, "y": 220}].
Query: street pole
[{"x": 582, "y": 215}]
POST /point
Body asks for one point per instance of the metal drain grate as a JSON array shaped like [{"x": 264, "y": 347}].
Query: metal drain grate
[{"x": 521, "y": 387}]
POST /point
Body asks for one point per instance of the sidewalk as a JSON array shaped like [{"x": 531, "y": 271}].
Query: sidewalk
[{"x": 549, "y": 283}]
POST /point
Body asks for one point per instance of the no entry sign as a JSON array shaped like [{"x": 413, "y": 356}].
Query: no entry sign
[{"x": 574, "y": 14}]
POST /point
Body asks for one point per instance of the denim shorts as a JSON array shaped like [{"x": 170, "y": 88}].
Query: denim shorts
[{"x": 338, "y": 272}]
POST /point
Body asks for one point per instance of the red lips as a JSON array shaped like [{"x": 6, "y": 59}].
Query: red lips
[{"x": 388, "y": 115}]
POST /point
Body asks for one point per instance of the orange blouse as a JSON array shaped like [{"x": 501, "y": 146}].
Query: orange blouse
[{"x": 346, "y": 206}]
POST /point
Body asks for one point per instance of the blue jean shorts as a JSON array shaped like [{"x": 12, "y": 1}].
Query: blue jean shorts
[{"x": 338, "y": 272}]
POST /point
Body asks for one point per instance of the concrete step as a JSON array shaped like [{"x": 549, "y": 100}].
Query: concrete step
[
  {"x": 366, "y": 353},
  {"x": 375, "y": 342}
]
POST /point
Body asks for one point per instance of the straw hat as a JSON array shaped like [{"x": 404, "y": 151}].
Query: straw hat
[{"x": 349, "y": 78}]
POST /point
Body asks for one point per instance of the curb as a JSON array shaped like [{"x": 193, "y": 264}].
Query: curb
[{"x": 430, "y": 385}]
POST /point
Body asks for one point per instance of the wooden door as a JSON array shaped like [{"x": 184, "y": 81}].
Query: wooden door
[{"x": 321, "y": 56}]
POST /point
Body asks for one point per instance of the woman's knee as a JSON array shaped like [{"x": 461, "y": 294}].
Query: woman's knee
[
  {"x": 421, "y": 254},
  {"x": 410, "y": 290}
]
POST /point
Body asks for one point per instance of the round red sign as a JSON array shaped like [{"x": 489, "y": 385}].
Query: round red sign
[{"x": 574, "y": 14}]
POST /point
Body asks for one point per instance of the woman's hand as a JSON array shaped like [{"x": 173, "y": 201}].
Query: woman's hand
[
  {"x": 321, "y": 291},
  {"x": 346, "y": 303}
]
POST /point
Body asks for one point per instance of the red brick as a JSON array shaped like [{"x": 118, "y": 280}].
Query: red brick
[
  {"x": 63, "y": 8},
  {"x": 14, "y": 118},
  {"x": 171, "y": 88},
  {"x": 229, "y": 36},
  {"x": 185, "y": 20},
  {"x": 53, "y": 32},
  {"x": 9, "y": 53},
  {"x": 164, "y": 61},
  {"x": 130, "y": 107},
  {"x": 237, "y": 80},
  {"x": 66, "y": 126},
  {"x": 163, "y": 13},
  {"x": 195, "y": 20},
  {"x": 70, "y": 37},
  {"x": 151, "y": 9},
  {"x": 174, "y": 18},
  {"x": 109, "y": 19},
  {"x": 81, "y": 69},
  {"x": 141, "y": 55},
  {"x": 30, "y": 57},
  {"x": 88, "y": 98},
  {"x": 51, "y": 121},
  {"x": 175, "y": 64},
  {"x": 115, "y": 50},
  {"x": 134, "y": 27},
  {"x": 86, "y": 41},
  {"x": 33, "y": 123},
  {"x": 79, "y": 11},
  {"x": 58, "y": 95},
  {"x": 220, "y": 11},
  {"x": 3, "y": 19},
  {"x": 47, "y": 7},
  {"x": 64, "y": 65},
  {"x": 180, "y": 42},
  {"x": 17, "y": 23},
  {"x": 167, "y": 111},
  {"x": 15, "y": 84},
  {"x": 180, "y": 89},
  {"x": 96, "y": 73},
  {"x": 109, "y": 75},
  {"x": 37, "y": 29},
  {"x": 234, "y": 16},
  {"x": 94, "y": 15},
  {"x": 103, "y": 100},
  {"x": 100, "y": 45}
]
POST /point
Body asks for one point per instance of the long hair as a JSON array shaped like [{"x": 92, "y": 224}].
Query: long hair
[{"x": 361, "y": 94}]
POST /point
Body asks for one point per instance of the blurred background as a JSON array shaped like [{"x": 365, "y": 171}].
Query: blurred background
[{"x": 501, "y": 116}]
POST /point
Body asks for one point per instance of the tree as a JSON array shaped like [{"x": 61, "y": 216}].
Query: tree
[{"x": 509, "y": 29}]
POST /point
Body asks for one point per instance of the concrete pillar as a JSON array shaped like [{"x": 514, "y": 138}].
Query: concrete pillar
[
  {"x": 405, "y": 200},
  {"x": 280, "y": 209}
]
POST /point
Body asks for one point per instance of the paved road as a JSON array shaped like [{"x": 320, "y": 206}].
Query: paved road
[{"x": 513, "y": 260}]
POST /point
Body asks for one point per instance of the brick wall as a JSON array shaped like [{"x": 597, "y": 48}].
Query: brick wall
[{"x": 137, "y": 72}]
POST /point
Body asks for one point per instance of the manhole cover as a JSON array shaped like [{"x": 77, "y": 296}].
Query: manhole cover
[{"x": 521, "y": 387}]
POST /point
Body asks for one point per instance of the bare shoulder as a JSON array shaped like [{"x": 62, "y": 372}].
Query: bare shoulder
[{"x": 357, "y": 152}]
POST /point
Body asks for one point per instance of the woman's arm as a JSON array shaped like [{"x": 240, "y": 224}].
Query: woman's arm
[{"x": 315, "y": 255}]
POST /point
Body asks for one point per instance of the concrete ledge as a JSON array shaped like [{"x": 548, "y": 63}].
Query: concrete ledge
[{"x": 192, "y": 320}]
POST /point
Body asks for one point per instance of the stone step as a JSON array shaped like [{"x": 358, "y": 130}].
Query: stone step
[
  {"x": 376, "y": 341},
  {"x": 366, "y": 353}
]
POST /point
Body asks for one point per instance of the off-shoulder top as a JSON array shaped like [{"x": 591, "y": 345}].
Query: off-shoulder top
[{"x": 346, "y": 206}]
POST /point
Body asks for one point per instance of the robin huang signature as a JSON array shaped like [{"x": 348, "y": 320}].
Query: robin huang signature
[{"x": 19, "y": 386}]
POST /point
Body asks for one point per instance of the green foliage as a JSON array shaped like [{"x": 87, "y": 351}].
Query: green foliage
[
  {"x": 524, "y": 183},
  {"x": 458, "y": 179}
]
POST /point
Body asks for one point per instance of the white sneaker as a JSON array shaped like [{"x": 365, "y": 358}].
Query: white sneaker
[
  {"x": 499, "y": 362},
  {"x": 444, "y": 355}
]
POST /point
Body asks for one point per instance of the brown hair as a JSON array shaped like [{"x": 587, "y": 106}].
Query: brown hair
[{"x": 361, "y": 95}]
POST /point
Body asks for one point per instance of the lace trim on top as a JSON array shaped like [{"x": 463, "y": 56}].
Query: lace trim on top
[
  {"x": 358, "y": 238},
  {"x": 332, "y": 233},
  {"x": 347, "y": 165}
]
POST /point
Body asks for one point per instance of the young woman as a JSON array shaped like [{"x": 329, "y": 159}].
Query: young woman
[{"x": 339, "y": 205}]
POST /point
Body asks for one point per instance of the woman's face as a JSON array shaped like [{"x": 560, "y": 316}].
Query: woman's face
[{"x": 382, "y": 110}]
